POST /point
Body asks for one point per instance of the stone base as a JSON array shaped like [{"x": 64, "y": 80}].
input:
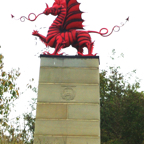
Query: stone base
[
  {"x": 66, "y": 140},
  {"x": 68, "y": 110}
]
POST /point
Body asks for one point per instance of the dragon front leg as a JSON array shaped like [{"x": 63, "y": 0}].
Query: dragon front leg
[
  {"x": 60, "y": 43},
  {"x": 58, "y": 48},
  {"x": 56, "y": 52}
]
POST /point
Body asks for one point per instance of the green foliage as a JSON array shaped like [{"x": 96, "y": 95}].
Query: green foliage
[
  {"x": 20, "y": 133},
  {"x": 8, "y": 90},
  {"x": 122, "y": 109}
]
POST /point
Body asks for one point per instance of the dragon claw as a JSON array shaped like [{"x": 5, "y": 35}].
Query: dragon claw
[
  {"x": 81, "y": 54},
  {"x": 35, "y": 32},
  {"x": 47, "y": 53},
  {"x": 61, "y": 54}
]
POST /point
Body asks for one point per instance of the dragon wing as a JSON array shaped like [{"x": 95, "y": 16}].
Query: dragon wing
[{"x": 73, "y": 19}]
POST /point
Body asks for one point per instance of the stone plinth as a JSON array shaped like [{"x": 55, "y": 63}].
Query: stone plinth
[{"x": 68, "y": 110}]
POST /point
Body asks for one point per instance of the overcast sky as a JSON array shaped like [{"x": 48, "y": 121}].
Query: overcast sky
[{"x": 19, "y": 46}]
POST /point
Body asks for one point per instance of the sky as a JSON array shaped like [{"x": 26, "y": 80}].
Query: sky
[{"x": 21, "y": 49}]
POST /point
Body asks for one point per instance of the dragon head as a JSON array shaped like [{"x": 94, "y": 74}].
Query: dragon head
[
  {"x": 47, "y": 11},
  {"x": 55, "y": 9}
]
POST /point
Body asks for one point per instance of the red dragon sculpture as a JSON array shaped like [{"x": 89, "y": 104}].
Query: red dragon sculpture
[{"x": 64, "y": 30}]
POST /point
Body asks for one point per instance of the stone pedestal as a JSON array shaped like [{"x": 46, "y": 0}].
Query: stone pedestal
[{"x": 68, "y": 110}]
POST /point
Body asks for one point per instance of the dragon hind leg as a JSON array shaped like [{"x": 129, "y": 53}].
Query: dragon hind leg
[
  {"x": 90, "y": 47},
  {"x": 84, "y": 40}
]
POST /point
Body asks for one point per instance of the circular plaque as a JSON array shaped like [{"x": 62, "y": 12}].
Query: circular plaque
[{"x": 68, "y": 94}]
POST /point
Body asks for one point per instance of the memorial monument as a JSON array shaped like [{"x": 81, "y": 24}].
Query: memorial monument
[{"x": 68, "y": 106}]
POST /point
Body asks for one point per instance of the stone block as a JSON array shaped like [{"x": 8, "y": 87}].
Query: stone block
[
  {"x": 69, "y": 75},
  {"x": 55, "y": 93},
  {"x": 70, "y": 62},
  {"x": 84, "y": 111},
  {"x": 67, "y": 127},
  {"x": 49, "y": 140},
  {"x": 51, "y": 111},
  {"x": 65, "y": 140}
]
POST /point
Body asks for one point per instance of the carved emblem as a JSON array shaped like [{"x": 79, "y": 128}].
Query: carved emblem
[{"x": 68, "y": 94}]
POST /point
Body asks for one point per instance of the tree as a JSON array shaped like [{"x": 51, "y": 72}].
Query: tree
[
  {"x": 122, "y": 109},
  {"x": 29, "y": 119},
  {"x": 8, "y": 90},
  {"x": 15, "y": 133}
]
